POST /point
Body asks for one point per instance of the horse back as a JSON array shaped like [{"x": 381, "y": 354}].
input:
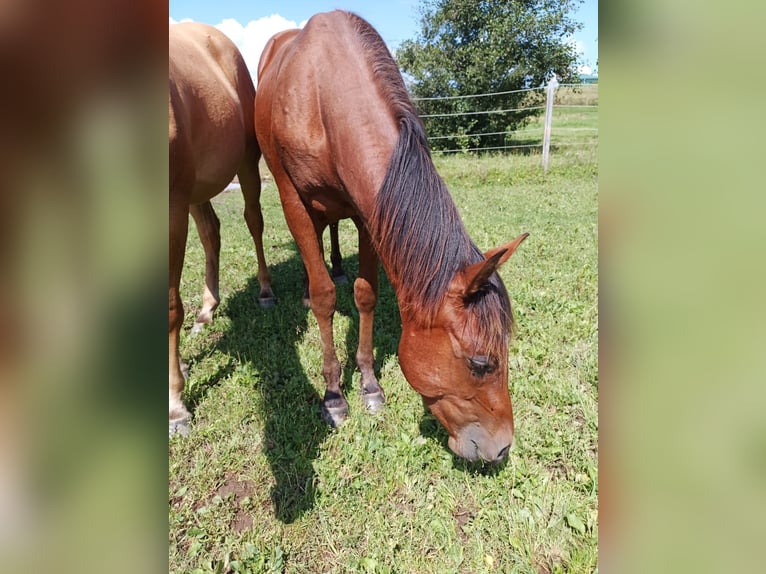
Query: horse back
[
  {"x": 210, "y": 107},
  {"x": 273, "y": 46},
  {"x": 320, "y": 114}
]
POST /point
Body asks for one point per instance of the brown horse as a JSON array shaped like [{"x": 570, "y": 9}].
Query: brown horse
[
  {"x": 211, "y": 139},
  {"x": 343, "y": 140}
]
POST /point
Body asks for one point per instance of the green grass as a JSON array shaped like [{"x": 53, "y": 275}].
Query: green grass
[{"x": 262, "y": 485}]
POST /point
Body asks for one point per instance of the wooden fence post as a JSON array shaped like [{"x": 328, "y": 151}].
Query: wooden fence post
[{"x": 550, "y": 92}]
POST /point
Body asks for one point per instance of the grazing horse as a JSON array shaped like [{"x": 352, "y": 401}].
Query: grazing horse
[
  {"x": 343, "y": 140},
  {"x": 211, "y": 139}
]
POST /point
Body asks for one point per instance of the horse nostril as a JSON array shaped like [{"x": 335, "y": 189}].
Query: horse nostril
[{"x": 502, "y": 453}]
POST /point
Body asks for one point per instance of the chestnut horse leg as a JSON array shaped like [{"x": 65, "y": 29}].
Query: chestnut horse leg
[
  {"x": 338, "y": 275},
  {"x": 321, "y": 293},
  {"x": 306, "y": 299},
  {"x": 365, "y": 298},
  {"x": 250, "y": 182},
  {"x": 178, "y": 416},
  {"x": 209, "y": 229}
]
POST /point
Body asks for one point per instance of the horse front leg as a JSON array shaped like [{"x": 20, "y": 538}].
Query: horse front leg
[
  {"x": 209, "y": 230},
  {"x": 365, "y": 298},
  {"x": 321, "y": 294},
  {"x": 306, "y": 299}
]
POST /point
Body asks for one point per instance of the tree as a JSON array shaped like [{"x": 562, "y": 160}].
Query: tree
[{"x": 469, "y": 47}]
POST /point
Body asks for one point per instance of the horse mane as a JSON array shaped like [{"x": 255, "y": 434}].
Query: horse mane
[{"x": 415, "y": 225}]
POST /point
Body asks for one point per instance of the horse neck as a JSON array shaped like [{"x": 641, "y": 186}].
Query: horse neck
[{"x": 362, "y": 160}]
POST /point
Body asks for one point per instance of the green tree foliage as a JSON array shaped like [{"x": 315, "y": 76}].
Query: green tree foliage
[{"x": 468, "y": 47}]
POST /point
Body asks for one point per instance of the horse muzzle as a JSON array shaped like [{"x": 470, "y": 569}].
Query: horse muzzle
[{"x": 473, "y": 443}]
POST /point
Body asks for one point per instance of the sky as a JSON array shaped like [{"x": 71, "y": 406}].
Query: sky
[{"x": 251, "y": 24}]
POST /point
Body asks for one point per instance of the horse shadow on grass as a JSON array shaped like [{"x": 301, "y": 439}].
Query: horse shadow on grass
[
  {"x": 269, "y": 339},
  {"x": 290, "y": 406}
]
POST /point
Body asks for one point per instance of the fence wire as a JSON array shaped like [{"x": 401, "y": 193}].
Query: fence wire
[{"x": 561, "y": 107}]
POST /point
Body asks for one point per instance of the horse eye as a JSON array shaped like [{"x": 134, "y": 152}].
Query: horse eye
[{"x": 481, "y": 365}]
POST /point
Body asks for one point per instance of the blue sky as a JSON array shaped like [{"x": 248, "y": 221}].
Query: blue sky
[{"x": 395, "y": 20}]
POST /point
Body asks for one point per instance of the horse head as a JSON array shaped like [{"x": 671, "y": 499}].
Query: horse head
[{"x": 459, "y": 363}]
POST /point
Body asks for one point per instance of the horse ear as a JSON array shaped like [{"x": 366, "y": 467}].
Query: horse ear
[{"x": 476, "y": 275}]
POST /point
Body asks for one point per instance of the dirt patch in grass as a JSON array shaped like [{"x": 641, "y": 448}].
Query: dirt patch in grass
[
  {"x": 242, "y": 521},
  {"x": 463, "y": 515},
  {"x": 554, "y": 557},
  {"x": 559, "y": 470},
  {"x": 238, "y": 490}
]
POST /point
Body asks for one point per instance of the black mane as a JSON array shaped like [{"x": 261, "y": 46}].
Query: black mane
[{"x": 415, "y": 225}]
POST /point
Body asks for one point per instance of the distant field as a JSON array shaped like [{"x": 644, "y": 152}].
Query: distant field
[{"x": 262, "y": 485}]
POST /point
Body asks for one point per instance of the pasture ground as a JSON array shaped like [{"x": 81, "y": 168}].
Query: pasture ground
[{"x": 262, "y": 485}]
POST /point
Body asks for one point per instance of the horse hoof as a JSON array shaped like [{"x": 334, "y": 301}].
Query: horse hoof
[
  {"x": 180, "y": 427},
  {"x": 267, "y": 302},
  {"x": 374, "y": 401},
  {"x": 334, "y": 416},
  {"x": 197, "y": 328},
  {"x": 340, "y": 279}
]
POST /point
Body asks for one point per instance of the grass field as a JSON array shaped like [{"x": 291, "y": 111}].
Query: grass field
[{"x": 262, "y": 485}]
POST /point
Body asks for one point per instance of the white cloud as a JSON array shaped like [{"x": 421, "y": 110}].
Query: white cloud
[
  {"x": 581, "y": 50},
  {"x": 252, "y": 38},
  {"x": 579, "y": 46}
]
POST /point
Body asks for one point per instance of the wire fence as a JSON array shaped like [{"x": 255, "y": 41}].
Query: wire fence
[{"x": 572, "y": 120}]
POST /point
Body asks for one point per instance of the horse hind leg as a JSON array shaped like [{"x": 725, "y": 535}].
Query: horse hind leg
[
  {"x": 178, "y": 415},
  {"x": 305, "y": 298},
  {"x": 209, "y": 229},
  {"x": 365, "y": 298},
  {"x": 250, "y": 182},
  {"x": 338, "y": 275}
]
